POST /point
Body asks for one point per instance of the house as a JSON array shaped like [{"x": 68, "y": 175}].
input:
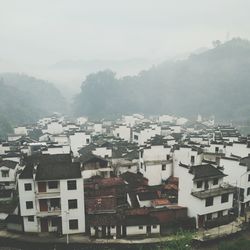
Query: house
[
  {"x": 51, "y": 197},
  {"x": 203, "y": 191},
  {"x": 140, "y": 225},
  {"x": 92, "y": 165},
  {"x": 123, "y": 132},
  {"x": 238, "y": 175},
  {"x": 8, "y": 170},
  {"x": 156, "y": 162},
  {"x": 77, "y": 140}
]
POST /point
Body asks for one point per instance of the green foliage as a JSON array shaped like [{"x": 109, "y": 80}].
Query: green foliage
[
  {"x": 215, "y": 82},
  {"x": 182, "y": 240},
  {"x": 24, "y": 99},
  {"x": 240, "y": 244}
]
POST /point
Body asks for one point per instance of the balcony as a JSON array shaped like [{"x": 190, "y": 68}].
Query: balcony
[
  {"x": 49, "y": 207},
  {"x": 47, "y": 195},
  {"x": 53, "y": 211}
]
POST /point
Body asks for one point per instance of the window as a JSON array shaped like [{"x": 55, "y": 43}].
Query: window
[
  {"x": 106, "y": 156},
  {"x": 136, "y": 137},
  {"x": 209, "y": 216},
  {"x": 31, "y": 218},
  {"x": 87, "y": 141},
  {"x": 192, "y": 159},
  {"x": 248, "y": 191},
  {"x": 215, "y": 181},
  {"x": 140, "y": 227},
  {"x": 29, "y": 204},
  {"x": 54, "y": 222},
  {"x": 168, "y": 157},
  {"x": 141, "y": 154},
  {"x": 224, "y": 198},
  {"x": 117, "y": 134},
  {"x": 249, "y": 177},
  {"x": 5, "y": 173},
  {"x": 163, "y": 167},
  {"x": 73, "y": 224},
  {"x": 71, "y": 185},
  {"x": 216, "y": 149},
  {"x": 141, "y": 165},
  {"x": 220, "y": 214},
  {"x": 72, "y": 204},
  {"x": 199, "y": 184},
  {"x": 154, "y": 226},
  {"x": 27, "y": 186},
  {"x": 209, "y": 201},
  {"x": 53, "y": 184}
]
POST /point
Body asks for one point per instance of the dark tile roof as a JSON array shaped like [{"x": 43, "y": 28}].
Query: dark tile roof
[
  {"x": 245, "y": 162},
  {"x": 138, "y": 220},
  {"x": 58, "y": 171},
  {"x": 145, "y": 196},
  {"x": 46, "y": 158},
  {"x": 14, "y": 219},
  {"x": 205, "y": 171},
  {"x": 8, "y": 164},
  {"x": 134, "y": 179}
]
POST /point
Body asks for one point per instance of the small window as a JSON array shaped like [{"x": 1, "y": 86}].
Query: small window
[
  {"x": 199, "y": 184},
  {"x": 71, "y": 185},
  {"x": 220, "y": 214},
  {"x": 209, "y": 216},
  {"x": 163, "y": 167},
  {"x": 168, "y": 157},
  {"x": 117, "y": 134},
  {"x": 224, "y": 198},
  {"x": 53, "y": 184},
  {"x": 31, "y": 218},
  {"x": 113, "y": 227},
  {"x": 72, "y": 204},
  {"x": 141, "y": 165},
  {"x": 215, "y": 181},
  {"x": 136, "y": 137},
  {"x": 249, "y": 177},
  {"x": 27, "y": 186},
  {"x": 192, "y": 159},
  {"x": 29, "y": 204},
  {"x": 154, "y": 226},
  {"x": 87, "y": 141},
  {"x": 54, "y": 222},
  {"x": 216, "y": 149},
  {"x": 141, "y": 154},
  {"x": 5, "y": 173},
  {"x": 209, "y": 201},
  {"x": 73, "y": 224},
  {"x": 248, "y": 191},
  {"x": 140, "y": 227}
]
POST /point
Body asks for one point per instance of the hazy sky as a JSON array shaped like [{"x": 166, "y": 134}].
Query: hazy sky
[{"x": 34, "y": 31}]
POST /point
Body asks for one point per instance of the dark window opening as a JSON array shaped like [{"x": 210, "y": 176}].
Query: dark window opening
[
  {"x": 71, "y": 185},
  {"x": 209, "y": 201},
  {"x": 27, "y": 186}
]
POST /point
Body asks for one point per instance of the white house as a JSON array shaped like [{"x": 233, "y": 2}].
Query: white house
[
  {"x": 238, "y": 174},
  {"x": 77, "y": 140},
  {"x": 123, "y": 132},
  {"x": 51, "y": 197},
  {"x": 8, "y": 171},
  {"x": 202, "y": 190},
  {"x": 156, "y": 163}
]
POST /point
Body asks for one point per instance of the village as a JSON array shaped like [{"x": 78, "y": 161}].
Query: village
[{"x": 136, "y": 176}]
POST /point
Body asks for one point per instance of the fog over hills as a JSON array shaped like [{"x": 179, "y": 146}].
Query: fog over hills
[
  {"x": 23, "y": 99},
  {"x": 209, "y": 82},
  {"x": 213, "y": 82}
]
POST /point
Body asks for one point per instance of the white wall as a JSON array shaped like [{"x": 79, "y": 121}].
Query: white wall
[{"x": 68, "y": 214}]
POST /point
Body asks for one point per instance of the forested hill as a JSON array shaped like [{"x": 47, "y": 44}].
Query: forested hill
[
  {"x": 24, "y": 99},
  {"x": 215, "y": 82}
]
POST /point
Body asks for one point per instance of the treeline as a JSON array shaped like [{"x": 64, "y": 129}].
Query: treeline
[
  {"x": 24, "y": 99},
  {"x": 215, "y": 82}
]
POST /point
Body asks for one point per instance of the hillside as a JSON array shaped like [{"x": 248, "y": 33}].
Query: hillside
[
  {"x": 24, "y": 99},
  {"x": 215, "y": 82}
]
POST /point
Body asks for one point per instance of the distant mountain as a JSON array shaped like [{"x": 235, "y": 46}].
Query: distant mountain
[
  {"x": 213, "y": 82},
  {"x": 24, "y": 99}
]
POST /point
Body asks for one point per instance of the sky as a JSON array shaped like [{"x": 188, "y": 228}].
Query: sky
[{"x": 36, "y": 34}]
